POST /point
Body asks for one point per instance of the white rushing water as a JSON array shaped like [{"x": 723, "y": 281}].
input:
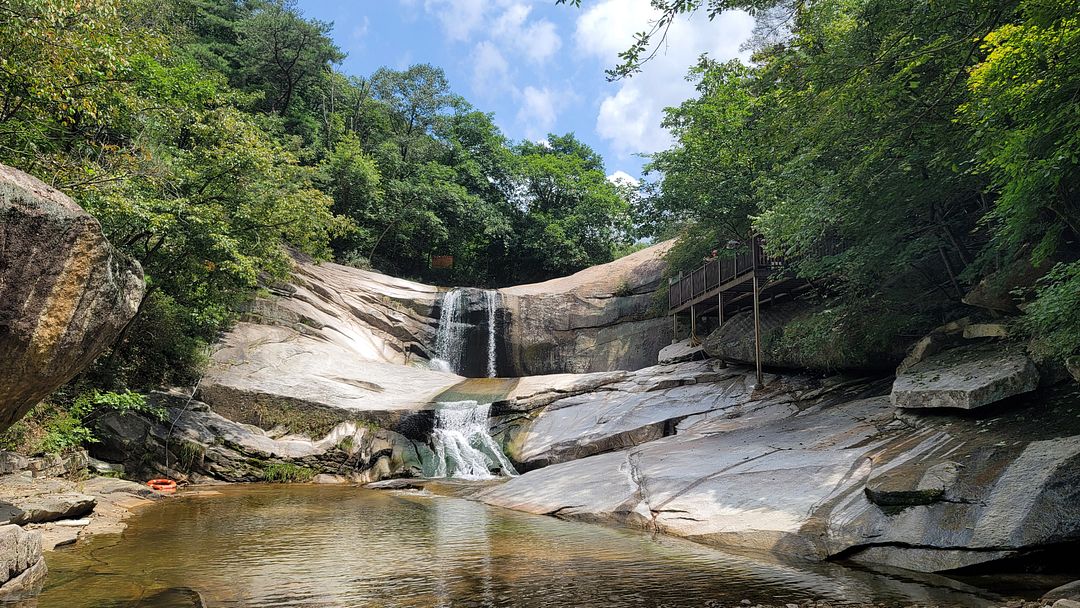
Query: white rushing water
[
  {"x": 492, "y": 304},
  {"x": 463, "y": 447},
  {"x": 453, "y": 333}
]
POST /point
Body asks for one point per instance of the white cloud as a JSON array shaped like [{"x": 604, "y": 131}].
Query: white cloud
[
  {"x": 361, "y": 30},
  {"x": 630, "y": 117},
  {"x": 538, "y": 112},
  {"x": 491, "y": 72},
  {"x": 504, "y": 33},
  {"x": 538, "y": 40},
  {"x": 459, "y": 18},
  {"x": 622, "y": 177}
]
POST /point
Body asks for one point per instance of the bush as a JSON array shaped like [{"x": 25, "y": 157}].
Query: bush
[
  {"x": 287, "y": 472},
  {"x": 53, "y": 428},
  {"x": 1052, "y": 319},
  {"x": 869, "y": 334}
]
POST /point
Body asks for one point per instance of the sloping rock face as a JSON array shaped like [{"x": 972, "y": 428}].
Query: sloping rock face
[
  {"x": 819, "y": 469},
  {"x": 339, "y": 344},
  {"x": 965, "y": 378},
  {"x": 65, "y": 293},
  {"x": 599, "y": 319},
  {"x": 336, "y": 345}
]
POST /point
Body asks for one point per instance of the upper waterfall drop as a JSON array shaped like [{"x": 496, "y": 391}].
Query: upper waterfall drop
[
  {"x": 449, "y": 341},
  {"x": 467, "y": 327},
  {"x": 492, "y": 301}
]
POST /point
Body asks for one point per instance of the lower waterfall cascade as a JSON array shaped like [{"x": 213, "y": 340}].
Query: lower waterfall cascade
[{"x": 463, "y": 447}]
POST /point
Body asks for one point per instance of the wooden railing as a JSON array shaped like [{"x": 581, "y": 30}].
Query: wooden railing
[{"x": 716, "y": 272}]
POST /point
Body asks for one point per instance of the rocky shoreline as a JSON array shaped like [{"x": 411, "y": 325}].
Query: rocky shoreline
[{"x": 40, "y": 514}]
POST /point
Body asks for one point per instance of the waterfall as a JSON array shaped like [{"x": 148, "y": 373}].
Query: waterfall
[
  {"x": 492, "y": 303},
  {"x": 453, "y": 337},
  {"x": 450, "y": 341},
  {"x": 463, "y": 448}
]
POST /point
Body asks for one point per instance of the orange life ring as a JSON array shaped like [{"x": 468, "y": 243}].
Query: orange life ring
[{"x": 166, "y": 486}]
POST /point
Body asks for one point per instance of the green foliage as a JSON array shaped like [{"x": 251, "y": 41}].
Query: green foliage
[
  {"x": 65, "y": 432},
  {"x": 571, "y": 215},
  {"x": 286, "y": 472},
  {"x": 347, "y": 445},
  {"x": 935, "y": 142},
  {"x": 1052, "y": 317},
  {"x": 189, "y": 454},
  {"x": 94, "y": 402},
  {"x": 1024, "y": 111},
  {"x": 212, "y": 137},
  {"x": 60, "y": 426}
]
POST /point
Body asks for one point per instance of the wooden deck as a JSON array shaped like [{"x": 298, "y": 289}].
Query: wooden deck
[
  {"x": 726, "y": 284},
  {"x": 739, "y": 279}
]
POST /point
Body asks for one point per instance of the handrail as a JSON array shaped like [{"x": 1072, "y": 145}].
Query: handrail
[{"x": 720, "y": 270}]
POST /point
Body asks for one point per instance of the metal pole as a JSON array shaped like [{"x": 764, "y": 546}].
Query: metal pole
[
  {"x": 693, "y": 325},
  {"x": 757, "y": 331},
  {"x": 720, "y": 311}
]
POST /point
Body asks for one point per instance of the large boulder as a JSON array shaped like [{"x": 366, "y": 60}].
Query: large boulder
[
  {"x": 965, "y": 378},
  {"x": 998, "y": 291},
  {"x": 734, "y": 341},
  {"x": 599, "y": 319},
  {"x": 22, "y": 567},
  {"x": 65, "y": 293},
  {"x": 820, "y": 469}
]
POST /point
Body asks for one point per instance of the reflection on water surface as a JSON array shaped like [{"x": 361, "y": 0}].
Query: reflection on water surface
[{"x": 302, "y": 545}]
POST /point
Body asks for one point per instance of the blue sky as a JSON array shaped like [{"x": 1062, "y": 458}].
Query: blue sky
[{"x": 537, "y": 66}]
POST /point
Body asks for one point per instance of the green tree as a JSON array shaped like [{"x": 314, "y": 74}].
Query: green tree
[
  {"x": 570, "y": 215},
  {"x": 281, "y": 54}
]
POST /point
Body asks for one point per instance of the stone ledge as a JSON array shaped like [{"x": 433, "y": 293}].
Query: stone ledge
[{"x": 965, "y": 378}]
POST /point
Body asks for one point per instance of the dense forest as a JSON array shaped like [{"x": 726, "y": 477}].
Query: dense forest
[
  {"x": 214, "y": 138},
  {"x": 935, "y": 145}
]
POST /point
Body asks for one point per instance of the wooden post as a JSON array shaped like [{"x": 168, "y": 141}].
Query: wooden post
[{"x": 674, "y": 327}]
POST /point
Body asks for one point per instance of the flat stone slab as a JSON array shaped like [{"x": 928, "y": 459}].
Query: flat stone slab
[
  {"x": 680, "y": 351},
  {"x": 396, "y": 484},
  {"x": 965, "y": 378}
]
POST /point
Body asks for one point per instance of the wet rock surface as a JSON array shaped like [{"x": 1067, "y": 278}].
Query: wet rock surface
[
  {"x": 1068, "y": 591},
  {"x": 335, "y": 344},
  {"x": 61, "y": 510},
  {"x": 65, "y": 293}
]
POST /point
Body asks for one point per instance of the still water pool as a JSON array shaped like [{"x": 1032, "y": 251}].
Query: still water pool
[{"x": 332, "y": 546}]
